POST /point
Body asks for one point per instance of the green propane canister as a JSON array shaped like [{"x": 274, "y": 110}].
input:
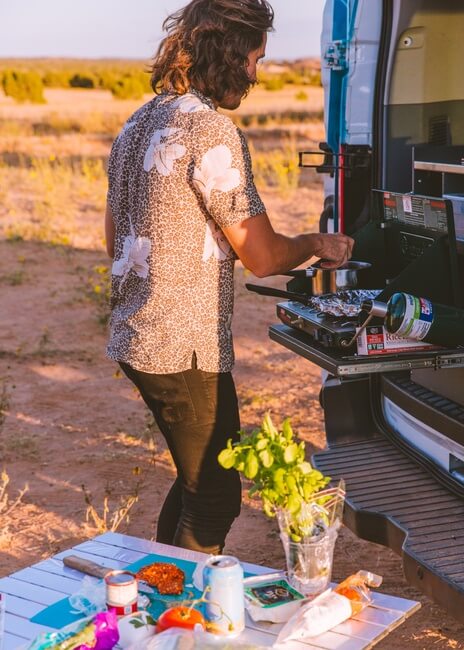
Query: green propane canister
[{"x": 419, "y": 319}]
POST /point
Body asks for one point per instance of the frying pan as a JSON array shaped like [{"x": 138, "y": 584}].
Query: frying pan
[{"x": 279, "y": 293}]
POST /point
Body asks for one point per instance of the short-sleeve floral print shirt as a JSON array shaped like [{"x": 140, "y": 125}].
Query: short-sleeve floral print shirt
[{"x": 179, "y": 172}]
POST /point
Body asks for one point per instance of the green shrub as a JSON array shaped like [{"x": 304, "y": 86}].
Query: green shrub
[
  {"x": 315, "y": 78},
  {"x": 83, "y": 81},
  {"x": 23, "y": 86},
  {"x": 56, "y": 79},
  {"x": 107, "y": 79},
  {"x": 246, "y": 120},
  {"x": 274, "y": 83},
  {"x": 127, "y": 88}
]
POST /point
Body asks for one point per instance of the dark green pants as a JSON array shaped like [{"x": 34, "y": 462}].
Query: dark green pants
[{"x": 196, "y": 412}]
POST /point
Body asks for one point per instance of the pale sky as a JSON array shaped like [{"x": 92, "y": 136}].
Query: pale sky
[{"x": 131, "y": 28}]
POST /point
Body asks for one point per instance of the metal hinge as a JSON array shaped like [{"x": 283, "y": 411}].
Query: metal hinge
[{"x": 335, "y": 55}]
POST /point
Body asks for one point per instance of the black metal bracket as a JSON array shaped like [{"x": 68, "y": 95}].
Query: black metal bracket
[{"x": 352, "y": 160}]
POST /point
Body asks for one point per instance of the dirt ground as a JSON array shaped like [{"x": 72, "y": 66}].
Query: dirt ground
[{"x": 68, "y": 419}]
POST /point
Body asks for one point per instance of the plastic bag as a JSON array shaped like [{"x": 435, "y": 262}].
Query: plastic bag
[
  {"x": 331, "y": 608},
  {"x": 98, "y": 632},
  {"x": 198, "y": 639},
  {"x": 91, "y": 597}
]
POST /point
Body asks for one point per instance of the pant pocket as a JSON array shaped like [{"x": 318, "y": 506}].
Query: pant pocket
[{"x": 176, "y": 403}]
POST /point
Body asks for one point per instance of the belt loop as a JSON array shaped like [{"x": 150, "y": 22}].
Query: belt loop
[{"x": 194, "y": 361}]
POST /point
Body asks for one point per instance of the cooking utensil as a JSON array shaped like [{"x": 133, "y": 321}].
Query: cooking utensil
[
  {"x": 279, "y": 293},
  {"x": 330, "y": 280},
  {"x": 97, "y": 570}
]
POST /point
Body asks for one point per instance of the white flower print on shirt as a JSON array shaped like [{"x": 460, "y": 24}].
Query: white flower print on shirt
[
  {"x": 163, "y": 151},
  {"x": 190, "y": 103},
  {"x": 216, "y": 243},
  {"x": 216, "y": 173},
  {"x": 134, "y": 257}
]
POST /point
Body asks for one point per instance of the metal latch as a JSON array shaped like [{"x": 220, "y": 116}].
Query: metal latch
[{"x": 335, "y": 55}]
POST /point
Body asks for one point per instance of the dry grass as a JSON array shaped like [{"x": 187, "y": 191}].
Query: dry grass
[
  {"x": 111, "y": 516},
  {"x": 48, "y": 199},
  {"x": 53, "y": 179},
  {"x": 7, "y": 504},
  {"x": 277, "y": 169}
]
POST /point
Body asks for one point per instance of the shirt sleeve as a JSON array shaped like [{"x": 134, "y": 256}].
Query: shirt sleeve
[{"x": 223, "y": 175}]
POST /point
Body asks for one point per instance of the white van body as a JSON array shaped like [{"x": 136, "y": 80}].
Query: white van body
[{"x": 394, "y": 115}]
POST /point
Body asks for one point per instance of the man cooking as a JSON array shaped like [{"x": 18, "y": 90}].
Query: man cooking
[{"x": 182, "y": 207}]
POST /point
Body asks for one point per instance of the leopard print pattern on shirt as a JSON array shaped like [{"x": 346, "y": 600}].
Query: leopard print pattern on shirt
[{"x": 179, "y": 172}]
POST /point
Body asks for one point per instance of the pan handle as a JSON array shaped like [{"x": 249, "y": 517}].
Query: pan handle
[
  {"x": 277, "y": 293},
  {"x": 310, "y": 272}
]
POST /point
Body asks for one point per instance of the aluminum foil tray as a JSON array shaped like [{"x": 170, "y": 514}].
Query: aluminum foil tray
[{"x": 344, "y": 303}]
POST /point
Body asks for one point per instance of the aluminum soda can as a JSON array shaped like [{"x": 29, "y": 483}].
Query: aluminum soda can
[{"x": 224, "y": 593}]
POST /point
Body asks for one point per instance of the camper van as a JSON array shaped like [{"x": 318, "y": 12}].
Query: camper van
[{"x": 394, "y": 167}]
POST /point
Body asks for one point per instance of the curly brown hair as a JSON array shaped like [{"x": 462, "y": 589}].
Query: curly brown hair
[{"x": 207, "y": 47}]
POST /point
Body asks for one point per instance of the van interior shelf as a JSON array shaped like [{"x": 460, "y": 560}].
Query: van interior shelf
[{"x": 447, "y": 168}]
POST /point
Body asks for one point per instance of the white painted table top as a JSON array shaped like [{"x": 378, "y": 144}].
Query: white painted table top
[{"x": 32, "y": 589}]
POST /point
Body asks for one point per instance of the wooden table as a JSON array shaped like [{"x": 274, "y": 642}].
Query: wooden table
[{"x": 30, "y": 590}]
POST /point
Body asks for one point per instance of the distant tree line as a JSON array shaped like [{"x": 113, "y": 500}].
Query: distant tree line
[{"x": 25, "y": 80}]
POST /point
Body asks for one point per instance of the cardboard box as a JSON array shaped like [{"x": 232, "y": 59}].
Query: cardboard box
[
  {"x": 376, "y": 340},
  {"x": 458, "y": 209}
]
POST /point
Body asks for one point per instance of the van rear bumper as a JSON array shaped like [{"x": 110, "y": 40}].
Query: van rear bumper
[{"x": 394, "y": 502}]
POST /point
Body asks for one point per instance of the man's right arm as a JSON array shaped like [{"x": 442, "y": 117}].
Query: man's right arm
[{"x": 265, "y": 252}]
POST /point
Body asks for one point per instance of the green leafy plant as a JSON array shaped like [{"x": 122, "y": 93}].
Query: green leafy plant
[
  {"x": 139, "y": 622},
  {"x": 275, "y": 461}
]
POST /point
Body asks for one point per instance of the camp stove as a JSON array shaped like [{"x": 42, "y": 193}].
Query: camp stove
[
  {"x": 330, "y": 319},
  {"x": 328, "y": 330}
]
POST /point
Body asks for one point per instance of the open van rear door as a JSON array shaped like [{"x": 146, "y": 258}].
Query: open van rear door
[{"x": 349, "y": 47}]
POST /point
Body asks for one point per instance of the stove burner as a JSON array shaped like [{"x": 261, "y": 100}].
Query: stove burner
[{"x": 329, "y": 329}]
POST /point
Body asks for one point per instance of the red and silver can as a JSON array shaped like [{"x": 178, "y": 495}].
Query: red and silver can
[
  {"x": 224, "y": 593},
  {"x": 121, "y": 592}
]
